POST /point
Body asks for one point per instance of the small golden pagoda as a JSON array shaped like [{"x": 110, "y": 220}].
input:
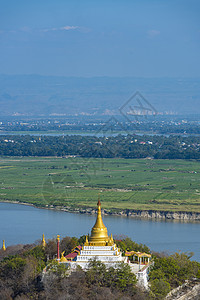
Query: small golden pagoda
[
  {"x": 43, "y": 241},
  {"x": 4, "y": 246}
]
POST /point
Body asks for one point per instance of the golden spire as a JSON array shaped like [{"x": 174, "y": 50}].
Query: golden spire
[
  {"x": 4, "y": 246},
  {"x": 111, "y": 237},
  {"x": 86, "y": 241},
  {"x": 58, "y": 246},
  {"x": 99, "y": 234},
  {"x": 43, "y": 241}
]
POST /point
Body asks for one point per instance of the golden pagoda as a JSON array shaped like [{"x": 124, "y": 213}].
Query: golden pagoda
[
  {"x": 99, "y": 234},
  {"x": 99, "y": 246}
]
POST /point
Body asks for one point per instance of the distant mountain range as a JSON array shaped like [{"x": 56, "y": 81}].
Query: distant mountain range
[{"x": 34, "y": 95}]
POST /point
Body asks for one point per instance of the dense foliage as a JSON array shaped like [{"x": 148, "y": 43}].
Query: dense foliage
[
  {"x": 21, "y": 267},
  {"x": 129, "y": 146},
  {"x": 126, "y": 244},
  {"x": 21, "y": 277},
  {"x": 96, "y": 283},
  {"x": 172, "y": 271}
]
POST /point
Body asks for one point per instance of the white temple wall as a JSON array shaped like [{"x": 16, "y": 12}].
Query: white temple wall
[
  {"x": 107, "y": 248},
  {"x": 98, "y": 252},
  {"x": 101, "y": 258}
]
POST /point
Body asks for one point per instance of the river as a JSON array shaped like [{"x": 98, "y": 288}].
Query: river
[
  {"x": 94, "y": 133},
  {"x": 21, "y": 224}
]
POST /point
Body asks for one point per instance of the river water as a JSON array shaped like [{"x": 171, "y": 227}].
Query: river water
[
  {"x": 94, "y": 133},
  {"x": 20, "y": 224}
]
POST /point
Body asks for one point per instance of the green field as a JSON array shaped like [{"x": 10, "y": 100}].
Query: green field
[{"x": 172, "y": 185}]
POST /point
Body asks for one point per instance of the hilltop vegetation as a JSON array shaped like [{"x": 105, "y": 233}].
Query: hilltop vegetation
[
  {"x": 172, "y": 271},
  {"x": 21, "y": 277}
]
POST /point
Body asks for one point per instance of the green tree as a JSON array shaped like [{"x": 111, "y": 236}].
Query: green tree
[
  {"x": 126, "y": 244},
  {"x": 120, "y": 277},
  {"x": 68, "y": 243},
  {"x": 38, "y": 253},
  {"x": 160, "y": 288},
  {"x": 82, "y": 239},
  {"x": 59, "y": 270},
  {"x": 96, "y": 273},
  {"x": 124, "y": 277},
  {"x": 174, "y": 270}
]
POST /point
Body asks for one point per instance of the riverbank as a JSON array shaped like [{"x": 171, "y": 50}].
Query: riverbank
[{"x": 141, "y": 214}]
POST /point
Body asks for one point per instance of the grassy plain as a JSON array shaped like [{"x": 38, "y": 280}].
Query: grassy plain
[{"x": 172, "y": 185}]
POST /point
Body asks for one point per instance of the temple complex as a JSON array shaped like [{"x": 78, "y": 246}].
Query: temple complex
[{"x": 100, "y": 246}]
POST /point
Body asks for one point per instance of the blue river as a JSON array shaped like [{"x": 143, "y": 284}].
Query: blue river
[{"x": 22, "y": 224}]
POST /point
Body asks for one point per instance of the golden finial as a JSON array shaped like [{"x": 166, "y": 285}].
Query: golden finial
[
  {"x": 111, "y": 237},
  {"x": 99, "y": 202},
  {"x": 43, "y": 241},
  {"x": 86, "y": 241},
  {"x": 4, "y": 246},
  {"x": 58, "y": 238}
]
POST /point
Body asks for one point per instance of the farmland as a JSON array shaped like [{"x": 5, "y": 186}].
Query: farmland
[{"x": 145, "y": 184}]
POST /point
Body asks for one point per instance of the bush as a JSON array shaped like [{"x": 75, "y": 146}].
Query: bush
[
  {"x": 172, "y": 271},
  {"x": 160, "y": 288}
]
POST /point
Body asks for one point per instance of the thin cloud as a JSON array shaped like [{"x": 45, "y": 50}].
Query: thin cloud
[
  {"x": 25, "y": 29},
  {"x": 153, "y": 33},
  {"x": 64, "y": 28},
  {"x": 69, "y": 27}
]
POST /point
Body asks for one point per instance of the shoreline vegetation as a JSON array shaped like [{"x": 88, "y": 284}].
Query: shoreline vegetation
[{"x": 140, "y": 214}]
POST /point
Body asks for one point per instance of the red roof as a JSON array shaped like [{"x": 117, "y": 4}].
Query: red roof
[{"x": 71, "y": 255}]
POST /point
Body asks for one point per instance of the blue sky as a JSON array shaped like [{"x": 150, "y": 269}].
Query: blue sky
[{"x": 153, "y": 38}]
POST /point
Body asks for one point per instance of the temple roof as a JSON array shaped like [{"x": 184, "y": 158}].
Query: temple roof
[
  {"x": 71, "y": 255},
  {"x": 77, "y": 248},
  {"x": 139, "y": 254}
]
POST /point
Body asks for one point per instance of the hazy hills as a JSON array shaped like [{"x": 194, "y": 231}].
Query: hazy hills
[{"x": 48, "y": 95}]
